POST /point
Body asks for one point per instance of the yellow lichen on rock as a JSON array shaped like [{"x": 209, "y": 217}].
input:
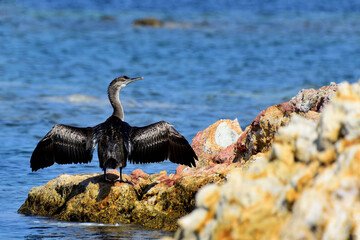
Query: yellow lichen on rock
[
  {"x": 155, "y": 201},
  {"x": 307, "y": 187}
]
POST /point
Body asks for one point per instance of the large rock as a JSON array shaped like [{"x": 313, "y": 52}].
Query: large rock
[
  {"x": 259, "y": 135},
  {"x": 211, "y": 141},
  {"x": 305, "y": 187},
  {"x": 155, "y": 201}
]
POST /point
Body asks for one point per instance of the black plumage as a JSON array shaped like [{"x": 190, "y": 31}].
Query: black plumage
[{"x": 117, "y": 141}]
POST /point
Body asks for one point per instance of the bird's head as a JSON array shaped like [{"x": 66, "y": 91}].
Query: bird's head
[{"x": 121, "y": 82}]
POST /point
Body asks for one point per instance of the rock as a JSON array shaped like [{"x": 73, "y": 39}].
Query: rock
[
  {"x": 313, "y": 100},
  {"x": 148, "y": 22},
  {"x": 153, "y": 22},
  {"x": 305, "y": 187},
  {"x": 259, "y": 136},
  {"x": 218, "y": 136},
  {"x": 155, "y": 201}
]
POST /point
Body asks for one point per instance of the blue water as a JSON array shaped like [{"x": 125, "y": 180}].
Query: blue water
[{"x": 212, "y": 60}]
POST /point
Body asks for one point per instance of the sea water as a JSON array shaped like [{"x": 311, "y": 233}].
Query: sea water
[{"x": 211, "y": 60}]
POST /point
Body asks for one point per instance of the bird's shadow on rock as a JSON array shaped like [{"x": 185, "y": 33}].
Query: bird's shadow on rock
[{"x": 80, "y": 188}]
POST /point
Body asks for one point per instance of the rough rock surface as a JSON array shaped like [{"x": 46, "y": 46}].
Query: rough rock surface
[
  {"x": 154, "y": 201},
  {"x": 259, "y": 135},
  {"x": 306, "y": 187},
  {"x": 210, "y": 142}
]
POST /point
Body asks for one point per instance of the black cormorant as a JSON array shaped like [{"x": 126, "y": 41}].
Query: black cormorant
[{"x": 117, "y": 141}]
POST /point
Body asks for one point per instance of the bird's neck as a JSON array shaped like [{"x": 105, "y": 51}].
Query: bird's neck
[{"x": 113, "y": 94}]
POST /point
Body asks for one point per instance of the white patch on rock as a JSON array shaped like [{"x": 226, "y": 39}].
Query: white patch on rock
[{"x": 224, "y": 135}]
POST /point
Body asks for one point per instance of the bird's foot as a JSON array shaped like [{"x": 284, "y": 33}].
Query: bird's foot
[
  {"x": 119, "y": 180},
  {"x": 114, "y": 180},
  {"x": 108, "y": 180},
  {"x": 122, "y": 181}
]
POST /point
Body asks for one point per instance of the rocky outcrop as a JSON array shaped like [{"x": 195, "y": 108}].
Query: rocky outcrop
[
  {"x": 154, "y": 201},
  {"x": 259, "y": 135},
  {"x": 305, "y": 187},
  {"x": 156, "y": 23},
  {"x": 148, "y": 22}
]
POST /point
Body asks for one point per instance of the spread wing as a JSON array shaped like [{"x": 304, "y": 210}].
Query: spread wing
[
  {"x": 64, "y": 145},
  {"x": 158, "y": 142}
]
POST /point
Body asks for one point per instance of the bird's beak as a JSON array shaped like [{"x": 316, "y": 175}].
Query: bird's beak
[{"x": 135, "y": 79}]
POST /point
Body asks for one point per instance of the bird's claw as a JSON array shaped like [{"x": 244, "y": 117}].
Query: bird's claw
[
  {"x": 108, "y": 180},
  {"x": 119, "y": 180},
  {"x": 113, "y": 181}
]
